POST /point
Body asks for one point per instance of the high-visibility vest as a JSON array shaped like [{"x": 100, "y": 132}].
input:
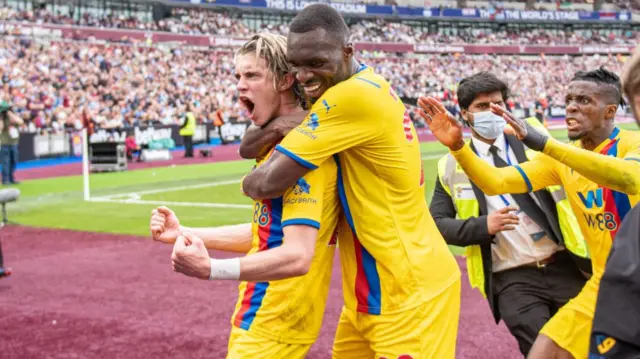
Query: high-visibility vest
[
  {"x": 190, "y": 127},
  {"x": 453, "y": 180}
]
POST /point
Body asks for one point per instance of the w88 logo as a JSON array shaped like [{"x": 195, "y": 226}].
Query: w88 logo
[{"x": 261, "y": 214}]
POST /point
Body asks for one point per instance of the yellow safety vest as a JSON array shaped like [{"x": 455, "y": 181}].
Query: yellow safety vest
[
  {"x": 190, "y": 128},
  {"x": 454, "y": 180}
]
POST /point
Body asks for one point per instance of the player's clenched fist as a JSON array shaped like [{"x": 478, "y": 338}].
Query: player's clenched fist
[
  {"x": 502, "y": 220},
  {"x": 164, "y": 225}
]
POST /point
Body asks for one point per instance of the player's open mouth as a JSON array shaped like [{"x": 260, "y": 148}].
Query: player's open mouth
[
  {"x": 248, "y": 104},
  {"x": 312, "y": 89}
]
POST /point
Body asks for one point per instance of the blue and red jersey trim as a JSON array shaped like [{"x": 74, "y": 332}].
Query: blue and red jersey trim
[
  {"x": 367, "y": 284},
  {"x": 270, "y": 236},
  {"x": 616, "y": 204}
]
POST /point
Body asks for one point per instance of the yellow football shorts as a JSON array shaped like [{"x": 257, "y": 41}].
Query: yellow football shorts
[
  {"x": 427, "y": 332},
  {"x": 244, "y": 344},
  {"x": 570, "y": 328}
]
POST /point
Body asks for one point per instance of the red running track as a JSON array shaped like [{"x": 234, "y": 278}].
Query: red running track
[{"x": 89, "y": 295}]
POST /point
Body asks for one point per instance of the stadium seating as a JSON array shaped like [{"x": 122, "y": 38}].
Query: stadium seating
[{"x": 70, "y": 85}]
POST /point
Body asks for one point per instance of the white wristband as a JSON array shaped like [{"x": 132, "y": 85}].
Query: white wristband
[{"x": 225, "y": 269}]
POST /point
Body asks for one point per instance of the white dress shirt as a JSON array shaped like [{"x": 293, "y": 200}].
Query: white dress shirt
[{"x": 516, "y": 247}]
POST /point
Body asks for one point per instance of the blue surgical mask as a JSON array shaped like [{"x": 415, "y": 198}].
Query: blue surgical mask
[{"x": 488, "y": 125}]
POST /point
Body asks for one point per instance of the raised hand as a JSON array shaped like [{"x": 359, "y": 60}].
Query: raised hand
[
  {"x": 441, "y": 122},
  {"x": 526, "y": 133},
  {"x": 164, "y": 225}
]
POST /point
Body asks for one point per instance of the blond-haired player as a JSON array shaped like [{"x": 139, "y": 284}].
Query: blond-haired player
[{"x": 290, "y": 242}]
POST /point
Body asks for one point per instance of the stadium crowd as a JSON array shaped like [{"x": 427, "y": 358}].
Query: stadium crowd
[
  {"x": 71, "y": 84},
  {"x": 190, "y": 21}
]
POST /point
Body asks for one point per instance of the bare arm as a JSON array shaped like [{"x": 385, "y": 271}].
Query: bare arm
[
  {"x": 257, "y": 140},
  {"x": 273, "y": 178},
  {"x": 235, "y": 238},
  {"x": 292, "y": 259}
]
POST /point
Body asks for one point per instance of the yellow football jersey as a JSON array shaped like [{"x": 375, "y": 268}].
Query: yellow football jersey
[
  {"x": 394, "y": 258},
  {"x": 291, "y": 310},
  {"x": 599, "y": 208}
]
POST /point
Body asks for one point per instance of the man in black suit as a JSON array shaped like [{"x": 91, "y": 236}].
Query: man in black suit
[{"x": 524, "y": 252}]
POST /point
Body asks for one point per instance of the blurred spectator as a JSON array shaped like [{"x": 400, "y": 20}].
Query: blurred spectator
[
  {"x": 9, "y": 138},
  {"x": 73, "y": 85},
  {"x": 187, "y": 130},
  {"x": 201, "y": 21},
  {"x": 132, "y": 147}
]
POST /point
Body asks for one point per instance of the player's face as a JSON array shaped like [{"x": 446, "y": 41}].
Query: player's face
[
  {"x": 318, "y": 60},
  {"x": 256, "y": 89},
  {"x": 587, "y": 110}
]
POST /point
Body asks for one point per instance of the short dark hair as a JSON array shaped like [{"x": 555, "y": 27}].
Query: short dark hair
[
  {"x": 605, "y": 77},
  {"x": 481, "y": 82},
  {"x": 322, "y": 16}
]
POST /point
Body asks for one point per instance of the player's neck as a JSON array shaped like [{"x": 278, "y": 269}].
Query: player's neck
[
  {"x": 596, "y": 137},
  {"x": 354, "y": 66},
  {"x": 288, "y": 106}
]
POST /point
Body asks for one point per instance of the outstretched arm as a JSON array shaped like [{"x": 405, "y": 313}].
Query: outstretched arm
[
  {"x": 618, "y": 174},
  {"x": 523, "y": 178},
  {"x": 527, "y": 177}
]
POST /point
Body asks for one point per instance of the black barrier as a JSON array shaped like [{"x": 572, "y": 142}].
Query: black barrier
[{"x": 35, "y": 146}]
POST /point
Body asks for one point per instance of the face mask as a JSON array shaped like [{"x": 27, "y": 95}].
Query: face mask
[{"x": 488, "y": 125}]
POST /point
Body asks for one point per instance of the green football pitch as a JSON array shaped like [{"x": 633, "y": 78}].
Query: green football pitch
[{"x": 201, "y": 195}]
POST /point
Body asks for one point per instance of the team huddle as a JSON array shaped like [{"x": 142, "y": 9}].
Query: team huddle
[{"x": 338, "y": 164}]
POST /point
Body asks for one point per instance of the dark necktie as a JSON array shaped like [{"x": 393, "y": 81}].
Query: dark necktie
[{"x": 523, "y": 200}]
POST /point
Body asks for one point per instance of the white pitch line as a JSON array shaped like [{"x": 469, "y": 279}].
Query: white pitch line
[
  {"x": 168, "y": 203},
  {"x": 172, "y": 189}
]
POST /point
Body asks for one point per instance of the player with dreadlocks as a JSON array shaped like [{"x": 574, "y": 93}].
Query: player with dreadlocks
[{"x": 600, "y": 171}]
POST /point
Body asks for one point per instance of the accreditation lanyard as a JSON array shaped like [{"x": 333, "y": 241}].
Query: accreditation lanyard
[{"x": 506, "y": 149}]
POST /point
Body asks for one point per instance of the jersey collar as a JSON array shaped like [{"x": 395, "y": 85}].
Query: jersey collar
[{"x": 612, "y": 137}]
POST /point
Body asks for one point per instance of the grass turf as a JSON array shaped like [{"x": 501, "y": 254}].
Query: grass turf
[{"x": 58, "y": 202}]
